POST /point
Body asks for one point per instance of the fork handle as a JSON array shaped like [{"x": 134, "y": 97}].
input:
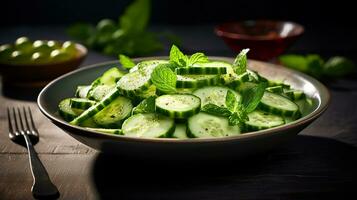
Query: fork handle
[{"x": 42, "y": 186}]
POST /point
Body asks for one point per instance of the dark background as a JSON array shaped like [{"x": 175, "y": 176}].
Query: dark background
[{"x": 330, "y": 25}]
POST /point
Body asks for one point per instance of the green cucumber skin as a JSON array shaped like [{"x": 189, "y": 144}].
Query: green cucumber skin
[
  {"x": 81, "y": 103},
  {"x": 286, "y": 113},
  {"x": 295, "y": 94},
  {"x": 249, "y": 126},
  {"x": 90, "y": 112},
  {"x": 275, "y": 89},
  {"x": 200, "y": 70},
  {"x": 178, "y": 114},
  {"x": 106, "y": 130},
  {"x": 198, "y": 83},
  {"x": 66, "y": 112}
]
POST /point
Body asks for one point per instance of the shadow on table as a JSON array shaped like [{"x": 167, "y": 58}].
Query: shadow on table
[
  {"x": 307, "y": 168},
  {"x": 21, "y": 93}
]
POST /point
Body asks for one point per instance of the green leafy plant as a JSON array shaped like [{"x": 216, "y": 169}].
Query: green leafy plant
[
  {"x": 128, "y": 36},
  {"x": 164, "y": 79},
  {"x": 314, "y": 65},
  {"x": 182, "y": 60}
]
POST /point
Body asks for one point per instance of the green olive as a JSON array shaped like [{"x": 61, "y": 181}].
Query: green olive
[
  {"x": 19, "y": 57},
  {"x": 53, "y": 44},
  {"x": 23, "y": 44},
  {"x": 5, "y": 52},
  {"x": 39, "y": 57},
  {"x": 69, "y": 47},
  {"x": 41, "y": 46},
  {"x": 60, "y": 55},
  {"x": 106, "y": 25}
]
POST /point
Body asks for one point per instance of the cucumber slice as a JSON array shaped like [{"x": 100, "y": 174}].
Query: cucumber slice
[
  {"x": 278, "y": 104},
  {"x": 295, "y": 94},
  {"x": 96, "y": 108},
  {"x": 148, "y": 125},
  {"x": 82, "y": 91},
  {"x": 113, "y": 115},
  {"x": 99, "y": 92},
  {"x": 178, "y": 105},
  {"x": 184, "y": 90},
  {"x": 215, "y": 67},
  {"x": 81, "y": 103},
  {"x": 107, "y": 130},
  {"x": 277, "y": 83},
  {"x": 193, "y": 81},
  {"x": 134, "y": 83},
  {"x": 259, "y": 120},
  {"x": 89, "y": 123},
  {"x": 66, "y": 112},
  {"x": 111, "y": 76},
  {"x": 275, "y": 89},
  {"x": 180, "y": 131},
  {"x": 147, "y": 63},
  {"x": 204, "y": 125},
  {"x": 215, "y": 95}
]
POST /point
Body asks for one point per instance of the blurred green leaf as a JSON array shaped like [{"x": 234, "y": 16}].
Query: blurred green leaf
[
  {"x": 136, "y": 17},
  {"x": 81, "y": 31},
  {"x": 338, "y": 66}
]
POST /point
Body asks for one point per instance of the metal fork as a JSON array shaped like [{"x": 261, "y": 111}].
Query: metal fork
[{"x": 22, "y": 130}]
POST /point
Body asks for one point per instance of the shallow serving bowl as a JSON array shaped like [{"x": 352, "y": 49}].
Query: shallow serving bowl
[{"x": 217, "y": 148}]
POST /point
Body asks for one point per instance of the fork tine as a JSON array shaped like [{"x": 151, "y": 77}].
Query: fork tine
[
  {"x": 20, "y": 119},
  {"x": 31, "y": 119},
  {"x": 26, "y": 119},
  {"x": 9, "y": 120},
  {"x": 15, "y": 120}
]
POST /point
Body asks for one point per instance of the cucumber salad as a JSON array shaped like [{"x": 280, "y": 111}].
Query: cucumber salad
[{"x": 183, "y": 97}]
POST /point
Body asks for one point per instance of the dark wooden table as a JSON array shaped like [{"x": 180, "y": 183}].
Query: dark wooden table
[{"x": 319, "y": 164}]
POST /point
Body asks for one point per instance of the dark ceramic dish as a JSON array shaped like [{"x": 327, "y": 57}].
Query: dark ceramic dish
[
  {"x": 38, "y": 75},
  {"x": 266, "y": 38},
  {"x": 187, "y": 149}
]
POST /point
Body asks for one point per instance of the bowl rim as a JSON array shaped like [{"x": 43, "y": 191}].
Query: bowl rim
[
  {"x": 222, "y": 32},
  {"x": 77, "y": 130}
]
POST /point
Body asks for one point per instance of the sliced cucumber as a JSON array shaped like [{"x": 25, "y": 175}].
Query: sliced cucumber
[
  {"x": 194, "y": 81},
  {"x": 178, "y": 105},
  {"x": 89, "y": 123},
  {"x": 107, "y": 130},
  {"x": 111, "y": 76},
  {"x": 259, "y": 120},
  {"x": 275, "y": 89},
  {"x": 180, "y": 131},
  {"x": 96, "y": 108},
  {"x": 98, "y": 92},
  {"x": 184, "y": 90},
  {"x": 66, "y": 112},
  {"x": 113, "y": 115},
  {"x": 277, "y": 83},
  {"x": 148, "y": 125},
  {"x": 81, "y": 103},
  {"x": 278, "y": 104},
  {"x": 204, "y": 68},
  {"x": 147, "y": 64},
  {"x": 134, "y": 83},
  {"x": 204, "y": 125},
  {"x": 215, "y": 95},
  {"x": 294, "y": 94},
  {"x": 82, "y": 91}
]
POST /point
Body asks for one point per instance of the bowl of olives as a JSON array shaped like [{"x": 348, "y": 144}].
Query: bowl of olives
[{"x": 29, "y": 63}]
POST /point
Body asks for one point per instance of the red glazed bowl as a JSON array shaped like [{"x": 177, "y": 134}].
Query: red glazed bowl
[{"x": 267, "y": 39}]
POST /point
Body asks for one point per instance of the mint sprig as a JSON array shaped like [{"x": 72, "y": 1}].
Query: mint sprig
[
  {"x": 164, "y": 79},
  {"x": 252, "y": 96},
  {"x": 126, "y": 62},
  {"x": 240, "y": 63},
  {"x": 182, "y": 60}
]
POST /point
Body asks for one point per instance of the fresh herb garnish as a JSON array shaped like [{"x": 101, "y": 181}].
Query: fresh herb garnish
[
  {"x": 129, "y": 36},
  {"x": 164, "y": 79},
  {"x": 146, "y": 106},
  {"x": 240, "y": 63},
  {"x": 126, "y": 62},
  {"x": 314, "y": 65},
  {"x": 182, "y": 60},
  {"x": 237, "y": 112}
]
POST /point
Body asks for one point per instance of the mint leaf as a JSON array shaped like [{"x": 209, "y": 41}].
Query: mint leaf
[
  {"x": 197, "y": 58},
  {"x": 252, "y": 96},
  {"x": 216, "y": 110},
  {"x": 136, "y": 17},
  {"x": 240, "y": 63},
  {"x": 338, "y": 66},
  {"x": 126, "y": 62},
  {"x": 164, "y": 79},
  {"x": 234, "y": 119},
  {"x": 231, "y": 101},
  {"x": 81, "y": 31},
  {"x": 145, "y": 106},
  {"x": 177, "y": 57}
]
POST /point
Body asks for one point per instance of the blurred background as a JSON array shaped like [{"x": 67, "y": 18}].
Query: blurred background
[{"x": 329, "y": 26}]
